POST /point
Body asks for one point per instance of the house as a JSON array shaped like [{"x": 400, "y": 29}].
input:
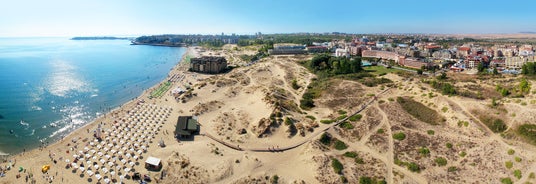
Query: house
[
  {"x": 463, "y": 52},
  {"x": 186, "y": 127},
  {"x": 317, "y": 49}
]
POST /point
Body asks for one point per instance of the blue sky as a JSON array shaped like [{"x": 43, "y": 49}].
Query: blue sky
[{"x": 143, "y": 17}]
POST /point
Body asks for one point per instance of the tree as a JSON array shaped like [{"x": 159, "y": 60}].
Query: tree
[
  {"x": 419, "y": 71},
  {"x": 480, "y": 67},
  {"x": 529, "y": 68},
  {"x": 442, "y": 76},
  {"x": 524, "y": 85},
  {"x": 495, "y": 72}
]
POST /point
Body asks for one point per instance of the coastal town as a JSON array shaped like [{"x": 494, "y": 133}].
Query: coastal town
[{"x": 427, "y": 52}]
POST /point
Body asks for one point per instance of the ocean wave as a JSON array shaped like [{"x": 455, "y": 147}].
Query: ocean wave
[
  {"x": 23, "y": 123},
  {"x": 36, "y": 108},
  {"x": 61, "y": 130},
  {"x": 33, "y": 132}
]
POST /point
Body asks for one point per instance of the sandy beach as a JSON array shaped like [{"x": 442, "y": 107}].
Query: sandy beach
[{"x": 129, "y": 134}]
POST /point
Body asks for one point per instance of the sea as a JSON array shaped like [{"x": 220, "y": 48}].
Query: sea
[{"x": 52, "y": 86}]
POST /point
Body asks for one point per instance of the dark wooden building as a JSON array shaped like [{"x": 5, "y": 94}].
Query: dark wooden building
[{"x": 186, "y": 127}]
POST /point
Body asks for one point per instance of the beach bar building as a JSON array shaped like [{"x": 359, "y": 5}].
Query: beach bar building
[
  {"x": 186, "y": 127},
  {"x": 153, "y": 164}
]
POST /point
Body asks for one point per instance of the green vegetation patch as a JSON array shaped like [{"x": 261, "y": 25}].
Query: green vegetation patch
[
  {"x": 528, "y": 131},
  {"x": 506, "y": 181},
  {"x": 511, "y": 152},
  {"x": 420, "y": 111},
  {"x": 346, "y": 125},
  {"x": 369, "y": 180},
  {"x": 424, "y": 151},
  {"x": 339, "y": 145},
  {"x": 356, "y": 117},
  {"x": 337, "y": 166},
  {"x": 342, "y": 117},
  {"x": 350, "y": 154},
  {"x": 496, "y": 125},
  {"x": 399, "y": 136},
  {"x": 414, "y": 167},
  {"x": 441, "y": 161},
  {"x": 327, "y": 121},
  {"x": 325, "y": 139},
  {"x": 508, "y": 164},
  {"x": 161, "y": 90},
  {"x": 517, "y": 174}
]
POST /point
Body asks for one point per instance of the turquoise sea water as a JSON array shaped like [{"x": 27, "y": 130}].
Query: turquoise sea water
[{"x": 52, "y": 86}]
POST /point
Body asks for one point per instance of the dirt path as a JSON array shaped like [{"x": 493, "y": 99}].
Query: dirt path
[
  {"x": 390, "y": 151},
  {"x": 388, "y": 162}
]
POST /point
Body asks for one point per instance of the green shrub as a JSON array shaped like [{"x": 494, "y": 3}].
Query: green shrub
[
  {"x": 359, "y": 160},
  {"x": 399, "y": 136},
  {"x": 390, "y": 99},
  {"x": 351, "y": 154},
  {"x": 346, "y": 125},
  {"x": 327, "y": 121},
  {"x": 295, "y": 85},
  {"x": 342, "y": 117},
  {"x": 344, "y": 180},
  {"x": 440, "y": 161},
  {"x": 289, "y": 121},
  {"x": 452, "y": 169},
  {"x": 380, "y": 131},
  {"x": 511, "y": 152},
  {"x": 325, "y": 139},
  {"x": 430, "y": 132},
  {"x": 506, "y": 181},
  {"x": 413, "y": 167},
  {"x": 463, "y": 153},
  {"x": 339, "y": 145},
  {"x": 274, "y": 179},
  {"x": 356, "y": 117},
  {"x": 424, "y": 151},
  {"x": 337, "y": 165},
  {"x": 365, "y": 180},
  {"x": 528, "y": 131},
  {"x": 310, "y": 117},
  {"x": 449, "y": 145},
  {"x": 518, "y": 159},
  {"x": 517, "y": 174},
  {"x": 444, "y": 109},
  {"x": 508, "y": 164},
  {"x": 341, "y": 112}
]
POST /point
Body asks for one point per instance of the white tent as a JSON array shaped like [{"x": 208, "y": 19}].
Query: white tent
[{"x": 153, "y": 163}]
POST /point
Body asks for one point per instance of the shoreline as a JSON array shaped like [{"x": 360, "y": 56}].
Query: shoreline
[
  {"x": 76, "y": 133},
  {"x": 125, "y": 120}
]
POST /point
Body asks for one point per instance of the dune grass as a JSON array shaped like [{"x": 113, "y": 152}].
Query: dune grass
[{"x": 420, "y": 111}]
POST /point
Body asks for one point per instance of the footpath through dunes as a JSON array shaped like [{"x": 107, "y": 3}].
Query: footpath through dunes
[{"x": 237, "y": 147}]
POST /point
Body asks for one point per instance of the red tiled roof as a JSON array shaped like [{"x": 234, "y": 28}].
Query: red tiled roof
[{"x": 464, "y": 49}]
